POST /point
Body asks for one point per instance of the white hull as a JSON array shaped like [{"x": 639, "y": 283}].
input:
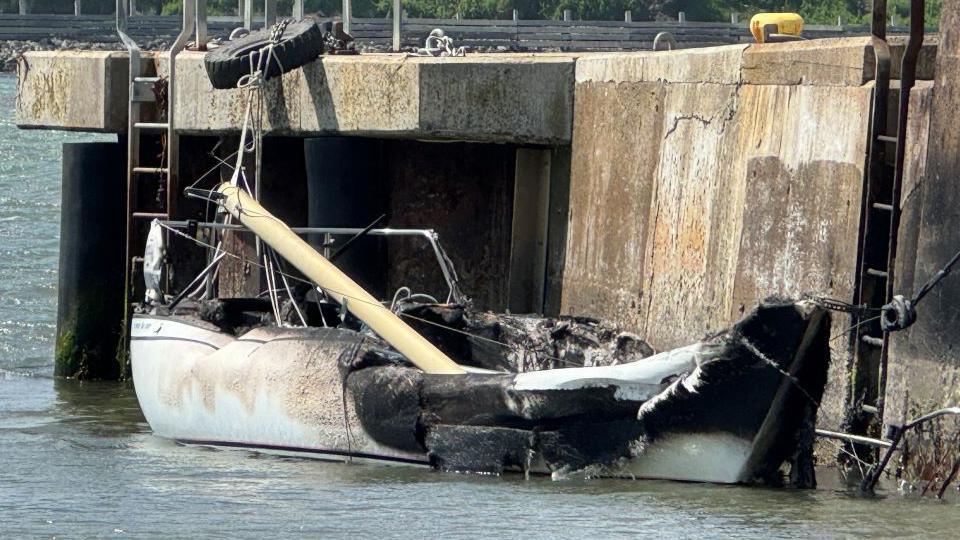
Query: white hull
[
  {"x": 197, "y": 385},
  {"x": 281, "y": 393}
]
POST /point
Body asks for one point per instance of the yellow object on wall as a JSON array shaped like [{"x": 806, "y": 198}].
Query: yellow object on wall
[{"x": 790, "y": 24}]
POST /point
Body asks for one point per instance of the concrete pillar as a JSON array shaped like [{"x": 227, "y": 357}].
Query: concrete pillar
[
  {"x": 628, "y": 16},
  {"x": 25, "y": 7},
  {"x": 345, "y": 188},
  {"x": 236, "y": 278},
  {"x": 681, "y": 17},
  {"x": 528, "y": 246},
  {"x": 734, "y": 18},
  {"x": 516, "y": 14},
  {"x": 397, "y": 17},
  {"x": 283, "y": 191},
  {"x": 567, "y": 15},
  {"x": 77, "y": 7},
  {"x": 557, "y": 228},
  {"x": 90, "y": 294}
]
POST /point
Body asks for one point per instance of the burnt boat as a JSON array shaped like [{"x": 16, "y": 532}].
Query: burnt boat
[{"x": 470, "y": 391}]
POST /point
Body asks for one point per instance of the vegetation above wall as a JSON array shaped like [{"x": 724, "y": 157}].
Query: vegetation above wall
[{"x": 813, "y": 11}]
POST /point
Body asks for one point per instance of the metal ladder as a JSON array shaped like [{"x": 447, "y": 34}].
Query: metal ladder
[
  {"x": 142, "y": 79},
  {"x": 880, "y": 217}
]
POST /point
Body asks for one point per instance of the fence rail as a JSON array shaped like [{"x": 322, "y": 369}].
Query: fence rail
[{"x": 510, "y": 33}]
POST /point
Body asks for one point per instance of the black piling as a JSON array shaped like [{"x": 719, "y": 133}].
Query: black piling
[
  {"x": 346, "y": 189},
  {"x": 92, "y": 240}
]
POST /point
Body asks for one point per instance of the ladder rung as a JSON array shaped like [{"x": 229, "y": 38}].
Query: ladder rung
[
  {"x": 150, "y": 215},
  {"x": 154, "y": 126},
  {"x": 870, "y": 340},
  {"x": 869, "y": 409},
  {"x": 150, "y": 170},
  {"x": 876, "y": 273},
  {"x": 146, "y": 79},
  {"x": 886, "y": 138},
  {"x": 882, "y": 206}
]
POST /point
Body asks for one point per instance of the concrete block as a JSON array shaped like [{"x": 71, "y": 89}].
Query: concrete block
[
  {"x": 496, "y": 98},
  {"x": 616, "y": 145},
  {"x": 822, "y": 62},
  {"x": 926, "y": 62},
  {"x": 718, "y": 203},
  {"x": 719, "y": 65},
  {"x": 360, "y": 95},
  {"x": 81, "y": 91},
  {"x": 517, "y": 98},
  {"x": 199, "y": 109}
]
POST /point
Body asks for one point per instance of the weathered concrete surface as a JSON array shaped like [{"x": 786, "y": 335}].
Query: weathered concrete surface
[
  {"x": 924, "y": 367},
  {"x": 714, "y": 64},
  {"x": 723, "y": 193},
  {"x": 496, "y": 98},
  {"x": 842, "y": 61},
  {"x": 83, "y": 91},
  {"x": 700, "y": 180}
]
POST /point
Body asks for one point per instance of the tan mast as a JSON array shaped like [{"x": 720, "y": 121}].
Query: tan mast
[{"x": 338, "y": 285}]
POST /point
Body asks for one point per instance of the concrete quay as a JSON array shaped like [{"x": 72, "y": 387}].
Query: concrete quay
[{"x": 665, "y": 191}]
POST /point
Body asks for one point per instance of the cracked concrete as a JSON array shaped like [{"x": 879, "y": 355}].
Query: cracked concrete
[{"x": 711, "y": 175}]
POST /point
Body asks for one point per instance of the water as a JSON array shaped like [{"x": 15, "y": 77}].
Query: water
[{"x": 78, "y": 460}]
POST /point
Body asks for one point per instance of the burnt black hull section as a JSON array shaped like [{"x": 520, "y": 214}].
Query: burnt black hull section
[{"x": 754, "y": 387}]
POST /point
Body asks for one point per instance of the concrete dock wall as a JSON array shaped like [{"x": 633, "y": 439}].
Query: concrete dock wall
[
  {"x": 681, "y": 187},
  {"x": 703, "y": 181},
  {"x": 924, "y": 367},
  {"x": 515, "y": 98}
]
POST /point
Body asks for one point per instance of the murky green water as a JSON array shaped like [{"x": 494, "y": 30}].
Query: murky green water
[{"x": 78, "y": 460}]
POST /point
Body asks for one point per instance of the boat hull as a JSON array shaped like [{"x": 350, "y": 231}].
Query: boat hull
[
  {"x": 275, "y": 392},
  {"x": 315, "y": 393}
]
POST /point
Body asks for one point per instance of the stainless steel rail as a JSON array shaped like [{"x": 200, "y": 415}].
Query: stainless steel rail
[{"x": 431, "y": 236}]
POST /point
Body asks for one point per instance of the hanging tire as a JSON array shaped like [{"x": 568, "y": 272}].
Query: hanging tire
[{"x": 301, "y": 42}]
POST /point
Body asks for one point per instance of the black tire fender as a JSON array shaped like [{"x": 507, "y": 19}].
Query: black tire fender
[{"x": 301, "y": 42}]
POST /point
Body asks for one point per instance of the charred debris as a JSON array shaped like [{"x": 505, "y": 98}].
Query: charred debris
[{"x": 760, "y": 380}]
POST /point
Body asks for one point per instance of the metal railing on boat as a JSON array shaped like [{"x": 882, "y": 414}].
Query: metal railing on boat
[{"x": 430, "y": 235}]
